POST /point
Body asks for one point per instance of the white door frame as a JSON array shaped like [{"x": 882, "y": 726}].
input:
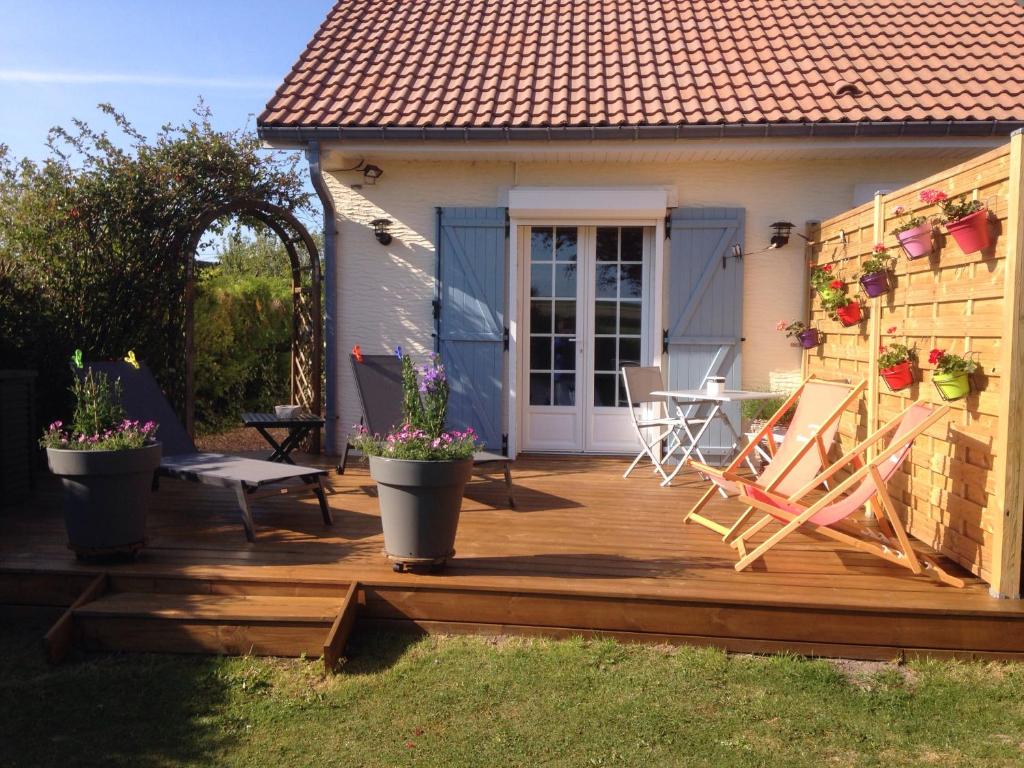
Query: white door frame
[{"x": 652, "y": 354}]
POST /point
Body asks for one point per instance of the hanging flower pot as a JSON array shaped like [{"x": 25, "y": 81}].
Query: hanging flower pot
[
  {"x": 809, "y": 339},
  {"x": 875, "y": 284},
  {"x": 850, "y": 314},
  {"x": 970, "y": 232},
  {"x": 917, "y": 241},
  {"x": 899, "y": 376},
  {"x": 952, "y": 386}
]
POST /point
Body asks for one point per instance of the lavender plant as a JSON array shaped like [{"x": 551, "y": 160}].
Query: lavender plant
[{"x": 98, "y": 423}]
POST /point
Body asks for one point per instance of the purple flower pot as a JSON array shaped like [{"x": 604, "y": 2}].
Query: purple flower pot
[
  {"x": 875, "y": 284},
  {"x": 809, "y": 338},
  {"x": 916, "y": 242}
]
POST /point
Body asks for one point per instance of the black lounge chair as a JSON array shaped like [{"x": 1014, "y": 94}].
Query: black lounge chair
[
  {"x": 143, "y": 400},
  {"x": 379, "y": 385}
]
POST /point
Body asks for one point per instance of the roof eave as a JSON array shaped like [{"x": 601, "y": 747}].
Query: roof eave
[{"x": 284, "y": 134}]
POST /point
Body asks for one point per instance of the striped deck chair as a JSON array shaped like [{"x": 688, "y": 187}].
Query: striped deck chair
[
  {"x": 817, "y": 404},
  {"x": 865, "y": 485}
]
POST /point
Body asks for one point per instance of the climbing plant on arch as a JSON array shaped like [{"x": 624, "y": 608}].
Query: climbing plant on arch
[{"x": 97, "y": 243}]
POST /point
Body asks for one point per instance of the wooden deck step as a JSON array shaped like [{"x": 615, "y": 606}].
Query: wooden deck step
[{"x": 230, "y": 624}]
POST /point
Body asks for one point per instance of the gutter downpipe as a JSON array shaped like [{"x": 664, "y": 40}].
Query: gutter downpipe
[{"x": 330, "y": 283}]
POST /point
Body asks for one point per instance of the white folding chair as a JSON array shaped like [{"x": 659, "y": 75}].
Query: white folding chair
[{"x": 640, "y": 383}]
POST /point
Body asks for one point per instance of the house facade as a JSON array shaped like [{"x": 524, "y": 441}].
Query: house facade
[{"x": 546, "y": 191}]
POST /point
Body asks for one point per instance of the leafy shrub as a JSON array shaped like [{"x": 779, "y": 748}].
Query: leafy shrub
[
  {"x": 243, "y": 346},
  {"x": 91, "y": 242}
]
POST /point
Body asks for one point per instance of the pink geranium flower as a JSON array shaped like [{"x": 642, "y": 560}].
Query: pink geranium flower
[{"x": 932, "y": 196}]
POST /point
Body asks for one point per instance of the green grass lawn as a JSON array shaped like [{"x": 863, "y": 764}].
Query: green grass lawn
[{"x": 475, "y": 702}]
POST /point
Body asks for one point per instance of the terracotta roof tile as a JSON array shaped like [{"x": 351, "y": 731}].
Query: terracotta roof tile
[{"x": 584, "y": 63}]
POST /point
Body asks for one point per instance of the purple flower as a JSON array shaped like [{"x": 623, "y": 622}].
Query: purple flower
[
  {"x": 398, "y": 351},
  {"x": 56, "y": 425}
]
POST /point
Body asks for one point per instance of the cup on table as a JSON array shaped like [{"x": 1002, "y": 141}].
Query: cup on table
[{"x": 715, "y": 385}]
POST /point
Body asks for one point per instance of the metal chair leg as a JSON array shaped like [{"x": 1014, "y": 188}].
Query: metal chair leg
[{"x": 243, "y": 507}]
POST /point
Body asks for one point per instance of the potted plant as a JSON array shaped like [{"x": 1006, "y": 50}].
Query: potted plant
[
  {"x": 839, "y": 306},
  {"x": 756, "y": 414},
  {"x": 952, "y": 377},
  {"x": 894, "y": 364},
  {"x": 966, "y": 220},
  {"x": 807, "y": 337},
  {"x": 421, "y": 471},
  {"x": 106, "y": 464},
  {"x": 874, "y": 273},
  {"x": 914, "y": 233}
]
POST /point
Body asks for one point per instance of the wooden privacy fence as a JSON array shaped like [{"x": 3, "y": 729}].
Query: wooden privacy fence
[{"x": 961, "y": 491}]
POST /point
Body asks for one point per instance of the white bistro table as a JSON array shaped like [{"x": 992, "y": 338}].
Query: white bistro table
[{"x": 687, "y": 401}]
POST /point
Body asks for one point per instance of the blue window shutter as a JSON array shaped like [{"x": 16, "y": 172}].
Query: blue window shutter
[
  {"x": 472, "y": 287},
  {"x": 705, "y": 315}
]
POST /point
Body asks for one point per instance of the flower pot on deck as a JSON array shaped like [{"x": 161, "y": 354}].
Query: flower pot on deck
[
  {"x": 849, "y": 315},
  {"x": 916, "y": 242},
  {"x": 420, "y": 504},
  {"x": 875, "y": 284},
  {"x": 899, "y": 376},
  {"x": 970, "y": 232},
  {"x": 952, "y": 386},
  {"x": 809, "y": 339},
  {"x": 106, "y": 497}
]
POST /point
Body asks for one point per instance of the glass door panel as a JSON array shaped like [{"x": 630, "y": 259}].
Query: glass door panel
[
  {"x": 618, "y": 310},
  {"x": 554, "y": 271}
]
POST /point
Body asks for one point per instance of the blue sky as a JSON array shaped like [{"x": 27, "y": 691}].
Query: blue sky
[{"x": 150, "y": 58}]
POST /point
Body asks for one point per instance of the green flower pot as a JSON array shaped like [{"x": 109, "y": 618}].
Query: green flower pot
[{"x": 952, "y": 386}]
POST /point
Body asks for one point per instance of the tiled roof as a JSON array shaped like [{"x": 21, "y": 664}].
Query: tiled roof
[{"x": 586, "y": 63}]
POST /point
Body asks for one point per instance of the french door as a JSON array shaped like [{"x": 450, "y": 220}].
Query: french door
[{"x": 587, "y": 299}]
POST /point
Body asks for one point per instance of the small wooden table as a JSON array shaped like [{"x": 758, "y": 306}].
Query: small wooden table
[
  {"x": 298, "y": 428},
  {"x": 688, "y": 401}
]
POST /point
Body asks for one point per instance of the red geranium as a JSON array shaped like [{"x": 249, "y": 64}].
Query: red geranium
[
  {"x": 879, "y": 248},
  {"x": 837, "y": 284},
  {"x": 827, "y": 268},
  {"x": 933, "y": 196},
  {"x": 934, "y": 355}
]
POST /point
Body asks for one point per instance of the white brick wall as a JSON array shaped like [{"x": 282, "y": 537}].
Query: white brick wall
[{"x": 385, "y": 293}]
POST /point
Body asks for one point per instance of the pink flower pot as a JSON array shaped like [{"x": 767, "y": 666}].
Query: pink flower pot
[
  {"x": 916, "y": 242},
  {"x": 970, "y": 232}
]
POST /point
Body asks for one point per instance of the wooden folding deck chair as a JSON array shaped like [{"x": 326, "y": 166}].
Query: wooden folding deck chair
[
  {"x": 865, "y": 485},
  {"x": 248, "y": 478},
  {"x": 379, "y": 386},
  {"x": 817, "y": 405}
]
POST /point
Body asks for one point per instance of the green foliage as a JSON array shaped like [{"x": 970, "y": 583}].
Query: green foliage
[
  {"x": 951, "y": 363},
  {"x": 879, "y": 261},
  {"x": 97, "y": 403},
  {"x": 833, "y": 299},
  {"x": 91, "y": 241},
  {"x": 243, "y": 345},
  {"x": 958, "y": 208}
]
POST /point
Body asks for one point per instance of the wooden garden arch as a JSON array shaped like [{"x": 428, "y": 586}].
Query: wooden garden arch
[{"x": 307, "y": 321}]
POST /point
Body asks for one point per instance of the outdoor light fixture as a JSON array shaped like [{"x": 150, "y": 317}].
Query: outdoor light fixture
[
  {"x": 371, "y": 173},
  {"x": 736, "y": 253},
  {"x": 380, "y": 230},
  {"x": 780, "y": 234}
]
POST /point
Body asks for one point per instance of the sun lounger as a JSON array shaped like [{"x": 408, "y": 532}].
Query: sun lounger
[{"x": 250, "y": 479}]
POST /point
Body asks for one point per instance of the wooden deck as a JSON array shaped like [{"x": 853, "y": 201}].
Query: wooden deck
[{"x": 585, "y": 552}]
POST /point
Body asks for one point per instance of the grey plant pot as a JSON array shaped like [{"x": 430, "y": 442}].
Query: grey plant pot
[
  {"x": 106, "y": 497},
  {"x": 420, "y": 503}
]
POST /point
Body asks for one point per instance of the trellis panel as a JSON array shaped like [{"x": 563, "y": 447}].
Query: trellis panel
[{"x": 957, "y": 492}]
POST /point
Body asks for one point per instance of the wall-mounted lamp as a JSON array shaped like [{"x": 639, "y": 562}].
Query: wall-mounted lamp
[
  {"x": 371, "y": 173},
  {"x": 736, "y": 252},
  {"x": 780, "y": 234},
  {"x": 380, "y": 230}
]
